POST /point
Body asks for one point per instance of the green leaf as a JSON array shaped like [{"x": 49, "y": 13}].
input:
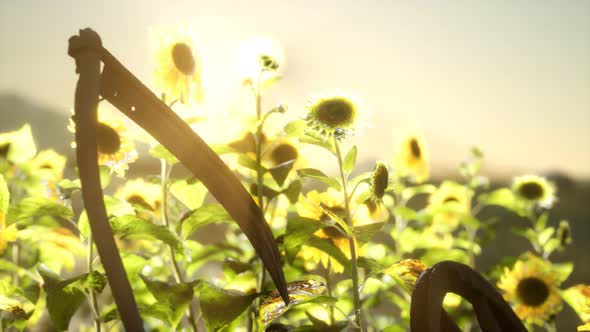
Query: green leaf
[
  {"x": 563, "y": 270},
  {"x": 248, "y": 162},
  {"x": 266, "y": 191},
  {"x": 405, "y": 272},
  {"x": 35, "y": 210},
  {"x": 62, "y": 300},
  {"x": 205, "y": 215},
  {"x": 295, "y": 128},
  {"x": 115, "y": 208},
  {"x": 160, "y": 152},
  {"x": 319, "y": 175},
  {"x": 365, "y": 233},
  {"x": 67, "y": 187},
  {"x": 338, "y": 220},
  {"x": 130, "y": 226},
  {"x": 279, "y": 173},
  {"x": 542, "y": 222},
  {"x": 545, "y": 235},
  {"x": 313, "y": 139},
  {"x": 299, "y": 230},
  {"x": 190, "y": 192},
  {"x": 173, "y": 299},
  {"x": 4, "y": 196},
  {"x": 410, "y": 192},
  {"x": 292, "y": 191},
  {"x": 350, "y": 160},
  {"x": 220, "y": 307}
]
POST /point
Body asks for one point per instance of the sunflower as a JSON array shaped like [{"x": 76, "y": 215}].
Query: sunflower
[
  {"x": 49, "y": 164},
  {"x": 115, "y": 149},
  {"x": 532, "y": 286},
  {"x": 17, "y": 146},
  {"x": 178, "y": 72},
  {"x": 534, "y": 189},
  {"x": 449, "y": 203},
  {"x": 333, "y": 115},
  {"x": 578, "y": 297},
  {"x": 411, "y": 158},
  {"x": 313, "y": 206},
  {"x": 142, "y": 194}
]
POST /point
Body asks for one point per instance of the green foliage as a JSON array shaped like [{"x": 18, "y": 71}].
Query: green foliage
[{"x": 221, "y": 307}]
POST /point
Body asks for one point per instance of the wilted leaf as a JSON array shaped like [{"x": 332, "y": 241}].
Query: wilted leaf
[
  {"x": 350, "y": 160},
  {"x": 33, "y": 210},
  {"x": 221, "y": 307},
  {"x": 205, "y": 215},
  {"x": 173, "y": 299},
  {"x": 300, "y": 292},
  {"x": 406, "y": 272},
  {"x": 319, "y": 175}
]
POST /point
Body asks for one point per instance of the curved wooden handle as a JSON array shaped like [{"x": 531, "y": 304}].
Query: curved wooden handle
[
  {"x": 85, "y": 48},
  {"x": 428, "y": 315}
]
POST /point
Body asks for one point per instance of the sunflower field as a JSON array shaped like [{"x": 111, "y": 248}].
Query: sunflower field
[{"x": 353, "y": 239}]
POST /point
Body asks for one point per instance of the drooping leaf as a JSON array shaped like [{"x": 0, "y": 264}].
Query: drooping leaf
[
  {"x": 319, "y": 175},
  {"x": 292, "y": 191},
  {"x": 221, "y": 307},
  {"x": 35, "y": 210},
  {"x": 266, "y": 191},
  {"x": 350, "y": 160},
  {"x": 300, "y": 292},
  {"x": 280, "y": 172},
  {"x": 313, "y": 139},
  {"x": 248, "y": 162},
  {"x": 204, "y": 215},
  {"x": 189, "y": 192},
  {"x": 130, "y": 226},
  {"x": 406, "y": 272},
  {"x": 329, "y": 248},
  {"x": 173, "y": 299},
  {"x": 63, "y": 300}
]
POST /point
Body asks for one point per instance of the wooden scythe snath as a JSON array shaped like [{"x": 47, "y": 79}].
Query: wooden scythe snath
[
  {"x": 428, "y": 315},
  {"x": 117, "y": 85}
]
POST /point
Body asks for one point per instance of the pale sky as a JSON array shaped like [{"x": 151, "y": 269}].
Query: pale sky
[{"x": 512, "y": 77}]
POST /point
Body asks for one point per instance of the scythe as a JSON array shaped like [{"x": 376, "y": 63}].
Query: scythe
[{"x": 122, "y": 89}]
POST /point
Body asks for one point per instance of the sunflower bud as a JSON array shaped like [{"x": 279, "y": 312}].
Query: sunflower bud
[
  {"x": 379, "y": 180},
  {"x": 564, "y": 233}
]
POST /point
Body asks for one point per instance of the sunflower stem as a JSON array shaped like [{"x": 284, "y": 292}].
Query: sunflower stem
[
  {"x": 353, "y": 255},
  {"x": 164, "y": 175},
  {"x": 91, "y": 296}
]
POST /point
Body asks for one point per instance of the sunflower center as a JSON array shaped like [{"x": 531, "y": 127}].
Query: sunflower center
[
  {"x": 108, "y": 139},
  {"x": 183, "y": 58},
  {"x": 532, "y": 291},
  {"x": 335, "y": 113},
  {"x": 4, "y": 150},
  {"x": 283, "y": 153},
  {"x": 531, "y": 190},
  {"x": 137, "y": 199},
  {"x": 450, "y": 199},
  {"x": 46, "y": 166},
  {"x": 415, "y": 148}
]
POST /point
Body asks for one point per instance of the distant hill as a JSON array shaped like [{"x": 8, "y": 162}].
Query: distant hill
[{"x": 49, "y": 125}]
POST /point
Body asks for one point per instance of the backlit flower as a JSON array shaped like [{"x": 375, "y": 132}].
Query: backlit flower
[
  {"x": 411, "y": 158},
  {"x": 49, "y": 164},
  {"x": 534, "y": 189},
  {"x": 115, "y": 149},
  {"x": 178, "y": 73},
  {"x": 333, "y": 115},
  {"x": 140, "y": 193},
  {"x": 532, "y": 287},
  {"x": 449, "y": 203}
]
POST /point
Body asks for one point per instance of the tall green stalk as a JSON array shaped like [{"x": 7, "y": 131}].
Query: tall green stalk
[
  {"x": 92, "y": 298},
  {"x": 164, "y": 175},
  {"x": 348, "y": 220}
]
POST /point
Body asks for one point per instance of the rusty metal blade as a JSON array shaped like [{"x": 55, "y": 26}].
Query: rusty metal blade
[
  {"x": 122, "y": 89},
  {"x": 86, "y": 50}
]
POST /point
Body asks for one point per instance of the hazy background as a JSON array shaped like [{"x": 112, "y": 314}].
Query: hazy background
[{"x": 510, "y": 77}]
